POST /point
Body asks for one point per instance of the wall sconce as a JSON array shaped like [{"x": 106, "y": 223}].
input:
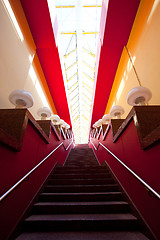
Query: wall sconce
[
  {"x": 44, "y": 112},
  {"x": 64, "y": 124},
  {"x": 67, "y": 126},
  {"x": 117, "y": 111},
  {"x": 106, "y": 118},
  {"x": 139, "y": 96},
  {"x": 21, "y": 98},
  {"x": 55, "y": 119},
  {"x": 95, "y": 125},
  {"x": 98, "y": 123}
]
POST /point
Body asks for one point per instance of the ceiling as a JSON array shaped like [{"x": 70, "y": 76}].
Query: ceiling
[{"x": 119, "y": 21}]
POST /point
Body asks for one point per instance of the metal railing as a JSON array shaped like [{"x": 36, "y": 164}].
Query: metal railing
[
  {"x": 68, "y": 145},
  {"x": 32, "y": 170},
  {"x": 150, "y": 189}
]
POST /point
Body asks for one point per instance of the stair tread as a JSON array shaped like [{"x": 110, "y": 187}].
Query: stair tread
[
  {"x": 80, "y": 181},
  {"x": 81, "y": 169},
  {"x": 77, "y": 198},
  {"x": 80, "y": 203},
  {"x": 81, "y": 193},
  {"x": 88, "y": 169},
  {"x": 82, "y": 175},
  {"x": 94, "y": 173},
  {"x": 84, "y": 167},
  {"x": 95, "y": 235},
  {"x": 81, "y": 185},
  {"x": 85, "y": 173},
  {"x": 106, "y": 178},
  {"x": 81, "y": 217},
  {"x": 81, "y": 196}
]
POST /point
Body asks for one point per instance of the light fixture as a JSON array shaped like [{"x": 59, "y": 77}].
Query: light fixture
[
  {"x": 67, "y": 126},
  {"x": 55, "y": 119},
  {"x": 98, "y": 123},
  {"x": 64, "y": 124},
  {"x": 95, "y": 125},
  {"x": 139, "y": 96},
  {"x": 44, "y": 112},
  {"x": 21, "y": 98},
  {"x": 106, "y": 118},
  {"x": 117, "y": 111}
]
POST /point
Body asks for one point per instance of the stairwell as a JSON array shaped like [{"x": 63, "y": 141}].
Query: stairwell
[{"x": 81, "y": 201}]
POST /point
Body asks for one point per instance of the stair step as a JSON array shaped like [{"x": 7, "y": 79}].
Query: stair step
[
  {"x": 84, "y": 163},
  {"x": 88, "y": 161},
  {"x": 85, "y": 169},
  {"x": 81, "y": 198},
  {"x": 80, "y": 181},
  {"x": 79, "y": 176},
  {"x": 97, "y": 196},
  {"x": 80, "y": 207},
  {"x": 81, "y": 165},
  {"x": 80, "y": 170},
  {"x": 84, "y": 235},
  {"x": 70, "y": 222},
  {"x": 81, "y": 188}
]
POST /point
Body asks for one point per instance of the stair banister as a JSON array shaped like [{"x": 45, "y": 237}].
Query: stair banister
[
  {"x": 156, "y": 194},
  {"x": 32, "y": 170}
]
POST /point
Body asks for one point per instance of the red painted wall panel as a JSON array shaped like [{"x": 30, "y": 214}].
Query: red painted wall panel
[
  {"x": 14, "y": 165},
  {"x": 145, "y": 163}
]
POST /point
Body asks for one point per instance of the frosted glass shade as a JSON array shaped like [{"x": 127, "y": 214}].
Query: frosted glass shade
[
  {"x": 117, "y": 111},
  {"x": 106, "y": 118},
  {"x": 98, "y": 123},
  {"x": 56, "y": 119},
  {"x": 64, "y": 124},
  {"x": 21, "y": 98},
  {"x": 67, "y": 126},
  {"x": 44, "y": 112},
  {"x": 139, "y": 96},
  {"x": 95, "y": 124}
]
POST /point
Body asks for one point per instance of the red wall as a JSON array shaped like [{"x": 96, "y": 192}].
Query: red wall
[
  {"x": 145, "y": 163},
  {"x": 14, "y": 165}
]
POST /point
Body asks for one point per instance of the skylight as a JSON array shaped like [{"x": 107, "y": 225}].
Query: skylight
[
  {"x": 78, "y": 26},
  {"x": 13, "y": 19}
]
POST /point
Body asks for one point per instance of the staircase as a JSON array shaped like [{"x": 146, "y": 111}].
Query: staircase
[{"x": 81, "y": 201}]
